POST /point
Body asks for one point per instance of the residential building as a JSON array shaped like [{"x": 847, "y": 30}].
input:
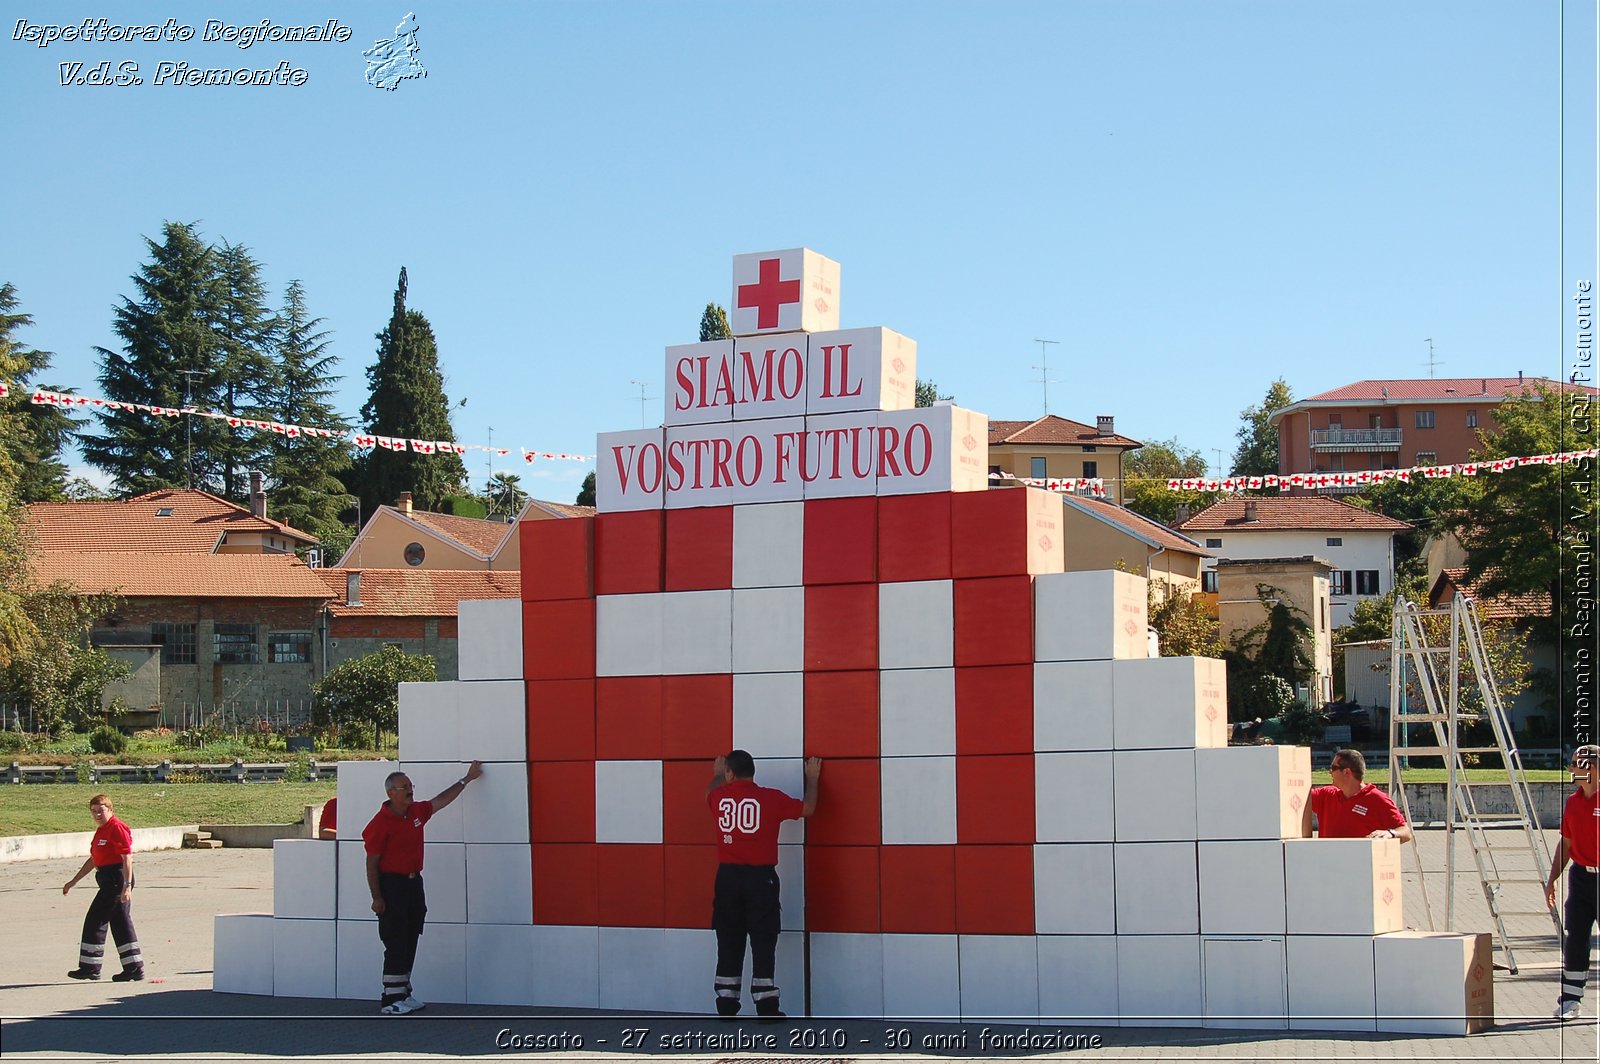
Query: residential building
[
  {"x": 413, "y": 609},
  {"x": 1248, "y": 588},
  {"x": 1357, "y": 544},
  {"x": 1527, "y": 711},
  {"x": 403, "y": 537},
  {"x": 1102, "y": 535},
  {"x": 1394, "y": 424},
  {"x": 1053, "y": 446}
]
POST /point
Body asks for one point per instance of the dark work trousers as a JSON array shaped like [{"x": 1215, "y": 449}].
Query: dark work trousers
[
  {"x": 108, "y": 908},
  {"x": 1583, "y": 899},
  {"x": 746, "y": 906},
  {"x": 399, "y": 926}
]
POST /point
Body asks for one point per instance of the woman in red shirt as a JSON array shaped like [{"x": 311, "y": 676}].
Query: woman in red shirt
[{"x": 111, "y": 858}]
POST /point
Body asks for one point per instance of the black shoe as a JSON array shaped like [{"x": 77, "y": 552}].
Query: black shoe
[
  {"x": 84, "y": 973},
  {"x": 129, "y": 975},
  {"x": 771, "y": 1017}
]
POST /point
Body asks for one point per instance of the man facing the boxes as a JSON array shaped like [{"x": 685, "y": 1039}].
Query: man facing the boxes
[
  {"x": 1580, "y": 843},
  {"x": 1351, "y": 808},
  {"x": 393, "y": 840},
  {"x": 745, "y": 904}
]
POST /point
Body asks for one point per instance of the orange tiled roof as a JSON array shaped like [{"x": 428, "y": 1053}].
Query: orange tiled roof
[
  {"x": 1286, "y": 513},
  {"x": 1498, "y": 607},
  {"x": 172, "y": 575},
  {"x": 1401, "y": 391},
  {"x": 196, "y": 525},
  {"x": 564, "y": 509},
  {"x": 1051, "y": 429},
  {"x": 477, "y": 534},
  {"x": 416, "y": 592},
  {"x": 1138, "y": 525}
]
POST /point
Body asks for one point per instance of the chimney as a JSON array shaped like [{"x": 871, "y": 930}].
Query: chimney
[
  {"x": 1250, "y": 516},
  {"x": 1181, "y": 515},
  {"x": 1519, "y": 380},
  {"x": 1485, "y": 386},
  {"x": 404, "y": 505},
  {"x": 352, "y": 587},
  {"x": 1105, "y": 425},
  {"x": 258, "y": 496}
]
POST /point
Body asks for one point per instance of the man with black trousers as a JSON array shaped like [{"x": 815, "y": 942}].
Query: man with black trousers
[
  {"x": 111, "y": 857},
  {"x": 1580, "y": 843},
  {"x": 393, "y": 840},
  {"x": 746, "y": 900}
]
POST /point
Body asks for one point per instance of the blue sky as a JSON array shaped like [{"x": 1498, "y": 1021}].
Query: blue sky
[{"x": 1191, "y": 198}]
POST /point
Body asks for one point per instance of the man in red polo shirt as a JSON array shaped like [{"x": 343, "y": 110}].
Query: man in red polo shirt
[
  {"x": 393, "y": 840},
  {"x": 1351, "y": 808},
  {"x": 746, "y": 901},
  {"x": 111, "y": 857},
  {"x": 1580, "y": 843}
]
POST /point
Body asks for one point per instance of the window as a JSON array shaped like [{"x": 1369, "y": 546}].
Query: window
[
  {"x": 1090, "y": 449},
  {"x": 1472, "y": 419},
  {"x": 1091, "y": 469},
  {"x": 234, "y": 644},
  {"x": 177, "y": 642},
  {"x": 1424, "y": 419},
  {"x": 1341, "y": 581},
  {"x": 1427, "y": 457},
  {"x": 415, "y": 554},
  {"x": 1366, "y": 581},
  {"x": 1036, "y": 468},
  {"x": 285, "y": 648},
  {"x": 1375, "y": 421},
  {"x": 994, "y": 469},
  {"x": 1213, "y": 543},
  {"x": 1335, "y": 541},
  {"x": 1208, "y": 581}
]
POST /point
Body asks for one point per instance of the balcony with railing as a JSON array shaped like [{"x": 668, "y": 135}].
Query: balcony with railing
[{"x": 1336, "y": 440}]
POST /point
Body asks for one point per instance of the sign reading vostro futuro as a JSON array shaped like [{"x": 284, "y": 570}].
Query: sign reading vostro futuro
[{"x": 783, "y": 413}]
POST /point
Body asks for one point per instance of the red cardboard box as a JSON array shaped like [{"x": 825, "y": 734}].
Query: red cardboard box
[
  {"x": 841, "y": 541},
  {"x": 994, "y": 890},
  {"x": 918, "y": 889},
  {"x": 564, "y": 885},
  {"x": 561, "y": 720},
  {"x": 842, "y": 889},
  {"x": 691, "y": 879},
  {"x": 697, "y": 717},
  {"x": 557, "y": 558},
  {"x": 994, "y": 621},
  {"x": 628, "y": 718},
  {"x": 914, "y": 537},
  {"x": 994, "y": 709},
  {"x": 558, "y": 640},
  {"x": 995, "y": 799},
  {"x": 561, "y": 801},
  {"x": 630, "y": 552},
  {"x": 841, "y": 714},
  {"x": 850, "y": 811},
  {"x": 841, "y": 627},
  {"x": 699, "y": 548}
]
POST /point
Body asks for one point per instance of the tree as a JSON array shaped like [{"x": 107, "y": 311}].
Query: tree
[
  {"x": 36, "y": 434},
  {"x": 248, "y": 374},
  {"x": 407, "y": 400},
  {"x": 1183, "y": 626},
  {"x": 714, "y": 324},
  {"x": 60, "y": 676},
  {"x": 367, "y": 689},
  {"x": 18, "y": 633},
  {"x": 303, "y": 472},
  {"x": 586, "y": 493},
  {"x": 1145, "y": 473},
  {"x": 928, "y": 393},
  {"x": 1278, "y": 646},
  {"x": 504, "y": 495},
  {"x": 1257, "y": 454}
]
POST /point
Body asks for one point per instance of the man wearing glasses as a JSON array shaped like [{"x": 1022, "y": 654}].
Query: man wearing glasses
[
  {"x": 1351, "y": 809},
  {"x": 393, "y": 841},
  {"x": 1580, "y": 843}
]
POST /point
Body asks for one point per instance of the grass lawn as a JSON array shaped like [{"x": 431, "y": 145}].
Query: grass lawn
[
  {"x": 45, "y": 808},
  {"x": 149, "y": 749}
]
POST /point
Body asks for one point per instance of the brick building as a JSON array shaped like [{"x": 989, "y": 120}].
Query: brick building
[{"x": 413, "y": 609}]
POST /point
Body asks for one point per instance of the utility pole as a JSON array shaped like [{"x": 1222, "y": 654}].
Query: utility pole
[
  {"x": 642, "y": 400},
  {"x": 188, "y": 425},
  {"x": 1044, "y": 369}
]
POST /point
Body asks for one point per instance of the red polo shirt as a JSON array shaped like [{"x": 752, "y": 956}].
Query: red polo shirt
[
  {"x": 748, "y": 818},
  {"x": 112, "y": 840},
  {"x": 1580, "y": 826},
  {"x": 1356, "y": 817},
  {"x": 396, "y": 841}
]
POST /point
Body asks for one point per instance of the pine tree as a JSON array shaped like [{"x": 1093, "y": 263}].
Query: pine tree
[
  {"x": 586, "y": 492},
  {"x": 407, "y": 400},
  {"x": 305, "y": 488},
  {"x": 714, "y": 324},
  {"x": 36, "y": 434},
  {"x": 1257, "y": 454},
  {"x": 17, "y": 631},
  {"x": 248, "y": 372}
]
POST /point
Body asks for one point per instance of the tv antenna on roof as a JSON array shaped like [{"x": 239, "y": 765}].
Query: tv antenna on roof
[
  {"x": 642, "y": 400},
  {"x": 1433, "y": 363},
  {"x": 1044, "y": 369}
]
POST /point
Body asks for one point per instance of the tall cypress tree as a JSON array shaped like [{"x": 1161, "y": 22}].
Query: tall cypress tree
[
  {"x": 248, "y": 373},
  {"x": 407, "y": 400},
  {"x": 714, "y": 324},
  {"x": 306, "y": 490},
  {"x": 35, "y": 435}
]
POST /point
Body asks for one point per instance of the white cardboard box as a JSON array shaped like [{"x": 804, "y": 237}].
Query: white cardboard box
[
  {"x": 359, "y": 972},
  {"x": 1318, "y": 1003},
  {"x": 769, "y": 714},
  {"x": 999, "y": 978},
  {"x": 861, "y": 369},
  {"x": 769, "y": 629},
  {"x": 1343, "y": 886},
  {"x": 846, "y": 975},
  {"x": 240, "y": 943},
  {"x": 628, "y": 635},
  {"x": 630, "y": 469},
  {"x": 1245, "y": 983},
  {"x": 302, "y": 958},
  {"x": 633, "y": 968},
  {"x": 429, "y": 722},
  {"x": 1169, "y": 703},
  {"x": 440, "y": 974},
  {"x": 697, "y": 465},
  {"x": 354, "y": 896},
  {"x": 916, "y": 625},
  {"x": 841, "y": 455},
  {"x": 770, "y": 374},
  {"x": 1154, "y": 795},
  {"x": 918, "y": 801},
  {"x": 1090, "y": 616},
  {"x": 494, "y": 807},
  {"x": 780, "y": 291},
  {"x": 489, "y": 639},
  {"x": 627, "y": 801},
  {"x": 1074, "y": 889},
  {"x": 1251, "y": 792},
  {"x": 768, "y": 544},
  {"x": 444, "y": 881},
  {"x": 1241, "y": 888},
  {"x": 697, "y": 632},
  {"x": 1434, "y": 982},
  {"x": 917, "y": 712},
  {"x": 304, "y": 879},
  {"x": 1158, "y": 890},
  {"x": 700, "y": 383},
  {"x": 1158, "y": 980},
  {"x": 568, "y": 972},
  {"x": 494, "y": 720},
  {"x": 936, "y": 448},
  {"x": 1072, "y": 705},
  {"x": 921, "y": 977},
  {"x": 1078, "y": 980},
  {"x": 360, "y": 794},
  {"x": 502, "y": 960},
  {"x": 429, "y": 779},
  {"x": 498, "y": 890},
  {"x": 1074, "y": 798}
]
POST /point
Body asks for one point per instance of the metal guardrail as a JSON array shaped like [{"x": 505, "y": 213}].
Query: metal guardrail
[
  {"x": 1355, "y": 437},
  {"x": 235, "y": 772}
]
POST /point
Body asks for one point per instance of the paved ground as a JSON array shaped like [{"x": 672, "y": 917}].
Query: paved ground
[{"x": 175, "y": 1015}]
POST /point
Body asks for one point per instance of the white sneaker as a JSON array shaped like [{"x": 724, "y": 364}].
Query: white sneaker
[
  {"x": 1567, "y": 1009},
  {"x": 413, "y": 1005},
  {"x": 398, "y": 1008}
]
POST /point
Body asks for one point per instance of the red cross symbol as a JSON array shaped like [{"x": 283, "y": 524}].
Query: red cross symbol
[{"x": 768, "y": 294}]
